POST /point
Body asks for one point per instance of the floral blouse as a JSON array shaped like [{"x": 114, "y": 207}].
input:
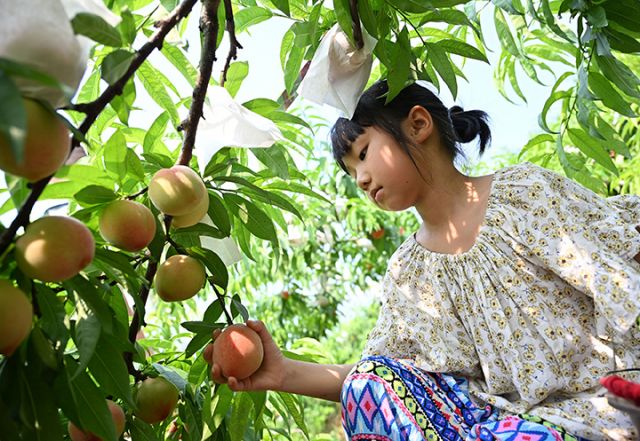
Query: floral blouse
[{"x": 532, "y": 312}]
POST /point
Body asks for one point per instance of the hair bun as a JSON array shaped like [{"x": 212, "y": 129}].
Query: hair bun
[{"x": 470, "y": 124}]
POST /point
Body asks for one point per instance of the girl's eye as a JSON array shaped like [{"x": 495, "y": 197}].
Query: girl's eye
[{"x": 363, "y": 153}]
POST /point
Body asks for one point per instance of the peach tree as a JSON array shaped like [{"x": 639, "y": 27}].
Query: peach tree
[{"x": 126, "y": 240}]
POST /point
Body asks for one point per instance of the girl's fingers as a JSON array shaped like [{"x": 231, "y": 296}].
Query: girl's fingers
[
  {"x": 234, "y": 384},
  {"x": 216, "y": 374},
  {"x": 208, "y": 353}
]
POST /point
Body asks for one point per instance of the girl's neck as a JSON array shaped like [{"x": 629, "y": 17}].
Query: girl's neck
[{"x": 450, "y": 199}]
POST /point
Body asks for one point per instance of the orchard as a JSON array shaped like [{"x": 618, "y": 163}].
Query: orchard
[{"x": 154, "y": 199}]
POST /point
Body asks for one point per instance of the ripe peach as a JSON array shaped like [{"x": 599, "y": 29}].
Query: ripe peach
[
  {"x": 128, "y": 225},
  {"x": 117, "y": 415},
  {"x": 16, "y": 315},
  {"x": 46, "y": 145},
  {"x": 179, "y": 278},
  {"x": 156, "y": 398},
  {"x": 194, "y": 216},
  {"x": 177, "y": 190},
  {"x": 54, "y": 248},
  {"x": 239, "y": 352},
  {"x": 378, "y": 234}
]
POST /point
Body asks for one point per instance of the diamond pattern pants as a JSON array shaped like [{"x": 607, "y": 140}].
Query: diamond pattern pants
[{"x": 385, "y": 399}]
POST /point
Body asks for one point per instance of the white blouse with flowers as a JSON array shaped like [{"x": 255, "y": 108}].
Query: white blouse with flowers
[{"x": 532, "y": 312}]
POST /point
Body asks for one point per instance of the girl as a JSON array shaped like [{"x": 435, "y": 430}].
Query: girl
[{"x": 503, "y": 310}]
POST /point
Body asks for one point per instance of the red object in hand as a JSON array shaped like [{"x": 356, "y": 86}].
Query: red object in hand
[{"x": 622, "y": 388}]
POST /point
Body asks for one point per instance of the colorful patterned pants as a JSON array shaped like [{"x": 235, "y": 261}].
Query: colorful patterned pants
[{"x": 387, "y": 400}]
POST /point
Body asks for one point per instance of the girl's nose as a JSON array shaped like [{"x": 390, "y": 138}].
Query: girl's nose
[{"x": 363, "y": 180}]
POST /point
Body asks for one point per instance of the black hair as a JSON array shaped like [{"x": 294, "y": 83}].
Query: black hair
[{"x": 454, "y": 125}]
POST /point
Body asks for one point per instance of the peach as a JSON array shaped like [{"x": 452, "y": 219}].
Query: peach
[
  {"x": 177, "y": 190},
  {"x": 194, "y": 216},
  {"x": 179, "y": 278},
  {"x": 239, "y": 352},
  {"x": 117, "y": 416},
  {"x": 128, "y": 225},
  {"x": 46, "y": 145},
  {"x": 54, "y": 248},
  {"x": 156, "y": 398},
  {"x": 16, "y": 315}
]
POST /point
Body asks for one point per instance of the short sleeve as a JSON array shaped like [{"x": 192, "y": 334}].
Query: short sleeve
[
  {"x": 588, "y": 241},
  {"x": 418, "y": 324}
]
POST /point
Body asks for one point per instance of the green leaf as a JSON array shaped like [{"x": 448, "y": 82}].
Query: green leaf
[
  {"x": 290, "y": 403},
  {"x": 622, "y": 42},
  {"x": 504, "y": 34},
  {"x": 94, "y": 27},
  {"x": 141, "y": 431},
  {"x": 89, "y": 293},
  {"x": 237, "y": 72},
  {"x": 240, "y": 414},
  {"x": 52, "y": 313},
  {"x": 262, "y": 106},
  {"x": 610, "y": 97},
  {"x": 400, "y": 59},
  {"x": 555, "y": 96},
  {"x": 110, "y": 371},
  {"x": 202, "y": 327},
  {"x": 87, "y": 334},
  {"x": 220, "y": 405},
  {"x": 536, "y": 140},
  {"x": 343, "y": 15},
  {"x": 238, "y": 308},
  {"x": 250, "y": 16},
  {"x": 95, "y": 194},
  {"x": 13, "y": 116},
  {"x": 91, "y": 405},
  {"x": 127, "y": 27},
  {"x": 180, "y": 62},
  {"x": 593, "y": 149},
  {"x": 218, "y": 213},
  {"x": 197, "y": 343},
  {"x": 274, "y": 159},
  {"x": 155, "y": 132},
  {"x": 214, "y": 264},
  {"x": 292, "y": 67},
  {"x": 253, "y": 218},
  {"x": 115, "y": 65},
  {"x": 443, "y": 66},
  {"x": 115, "y": 155},
  {"x": 283, "y": 5},
  {"x": 620, "y": 75},
  {"x": 508, "y": 5},
  {"x": 461, "y": 48},
  {"x": 155, "y": 87}
]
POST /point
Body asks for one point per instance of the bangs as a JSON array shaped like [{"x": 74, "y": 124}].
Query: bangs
[{"x": 343, "y": 133}]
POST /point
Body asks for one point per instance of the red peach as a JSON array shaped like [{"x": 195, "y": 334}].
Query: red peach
[{"x": 239, "y": 352}]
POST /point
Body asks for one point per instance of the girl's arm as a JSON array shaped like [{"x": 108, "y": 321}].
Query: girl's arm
[{"x": 279, "y": 373}]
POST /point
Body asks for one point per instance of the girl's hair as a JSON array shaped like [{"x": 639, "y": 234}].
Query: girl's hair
[{"x": 454, "y": 125}]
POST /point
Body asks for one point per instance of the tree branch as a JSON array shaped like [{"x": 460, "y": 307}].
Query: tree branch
[
  {"x": 234, "y": 45},
  {"x": 209, "y": 26},
  {"x": 287, "y": 99},
  {"x": 93, "y": 109}
]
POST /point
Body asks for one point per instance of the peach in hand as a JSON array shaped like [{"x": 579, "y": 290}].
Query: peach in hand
[
  {"x": 239, "y": 352},
  {"x": 54, "y": 248},
  {"x": 128, "y": 225}
]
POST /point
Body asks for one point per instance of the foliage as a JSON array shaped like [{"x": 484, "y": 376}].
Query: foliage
[{"x": 301, "y": 228}]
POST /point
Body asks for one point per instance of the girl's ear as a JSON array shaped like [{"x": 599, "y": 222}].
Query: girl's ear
[{"x": 418, "y": 125}]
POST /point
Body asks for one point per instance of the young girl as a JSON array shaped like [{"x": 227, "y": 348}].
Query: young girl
[{"x": 503, "y": 310}]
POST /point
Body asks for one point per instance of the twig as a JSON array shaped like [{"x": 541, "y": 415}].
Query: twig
[
  {"x": 234, "y": 45},
  {"x": 140, "y": 193},
  {"x": 93, "y": 109},
  {"x": 209, "y": 26},
  {"x": 355, "y": 21},
  {"x": 221, "y": 300},
  {"x": 285, "y": 98}
]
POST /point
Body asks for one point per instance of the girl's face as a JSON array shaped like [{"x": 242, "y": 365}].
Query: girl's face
[{"x": 383, "y": 170}]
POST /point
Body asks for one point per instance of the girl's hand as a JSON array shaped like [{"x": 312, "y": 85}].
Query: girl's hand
[{"x": 269, "y": 376}]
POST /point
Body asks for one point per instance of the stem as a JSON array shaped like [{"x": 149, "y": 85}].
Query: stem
[
  {"x": 221, "y": 300},
  {"x": 233, "y": 41}
]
